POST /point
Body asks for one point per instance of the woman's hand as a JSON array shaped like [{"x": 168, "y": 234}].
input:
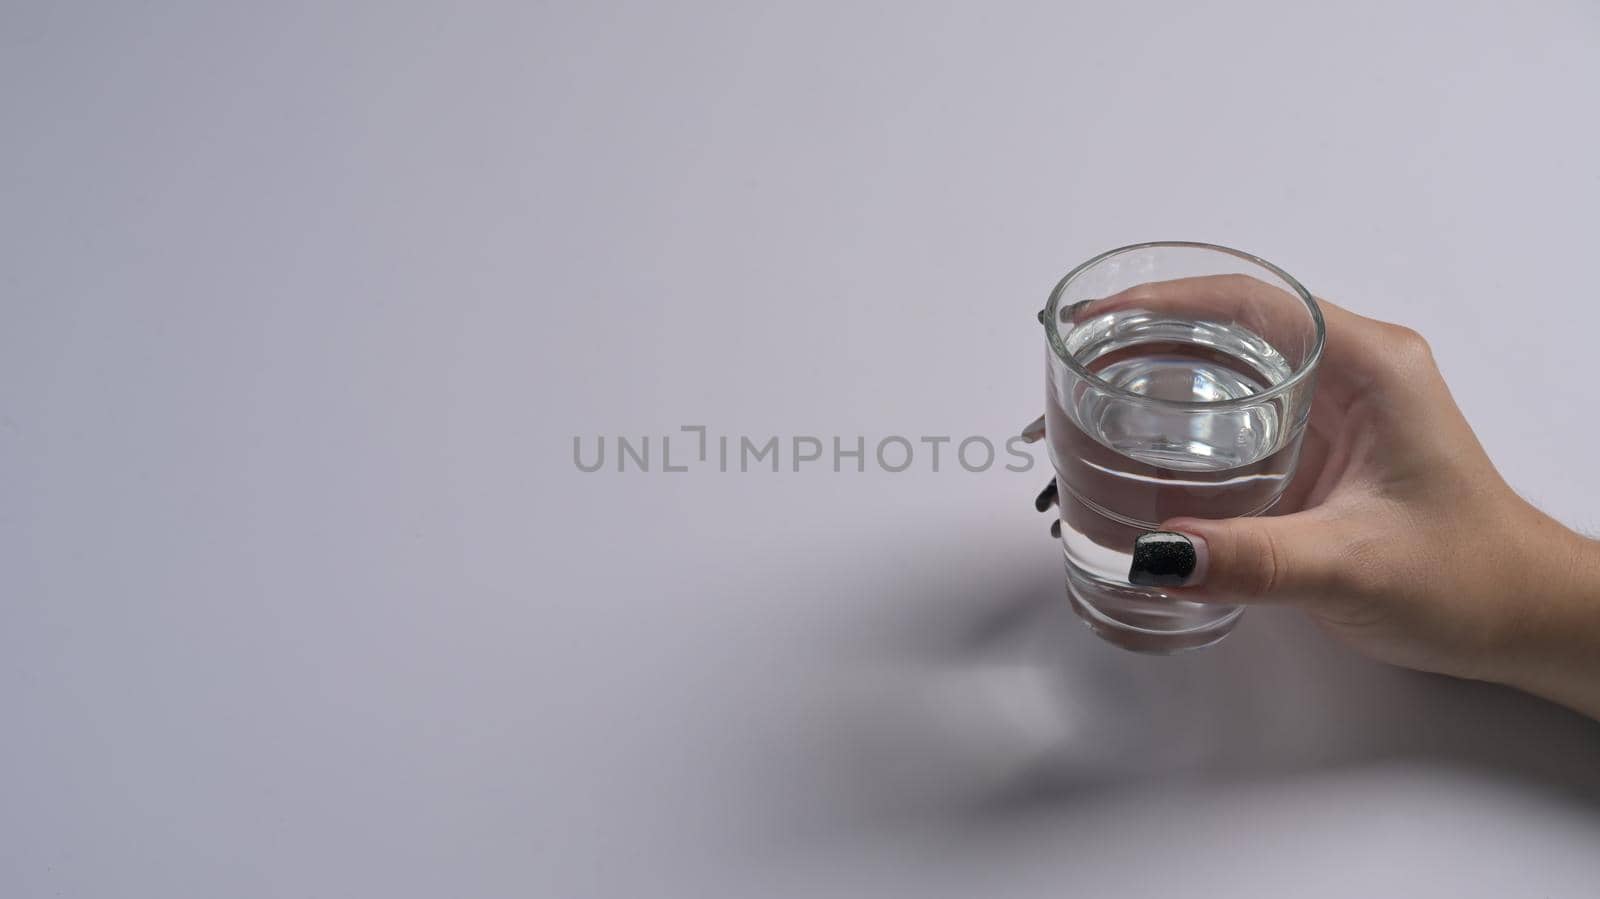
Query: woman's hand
[{"x": 1399, "y": 537}]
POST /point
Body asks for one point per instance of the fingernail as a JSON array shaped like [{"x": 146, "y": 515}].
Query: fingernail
[
  {"x": 1033, "y": 431},
  {"x": 1167, "y": 559},
  {"x": 1078, "y": 311},
  {"x": 1046, "y": 497},
  {"x": 1055, "y": 529}
]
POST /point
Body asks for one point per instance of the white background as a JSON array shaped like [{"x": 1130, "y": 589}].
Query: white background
[{"x": 302, "y": 595}]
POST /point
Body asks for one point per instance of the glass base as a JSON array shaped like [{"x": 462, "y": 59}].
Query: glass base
[{"x": 1144, "y": 619}]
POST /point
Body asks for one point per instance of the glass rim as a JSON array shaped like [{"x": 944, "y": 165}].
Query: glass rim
[{"x": 1059, "y": 346}]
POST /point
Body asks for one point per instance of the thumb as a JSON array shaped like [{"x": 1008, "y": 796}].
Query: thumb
[{"x": 1276, "y": 559}]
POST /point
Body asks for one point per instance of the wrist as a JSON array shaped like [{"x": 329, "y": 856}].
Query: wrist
[{"x": 1552, "y": 646}]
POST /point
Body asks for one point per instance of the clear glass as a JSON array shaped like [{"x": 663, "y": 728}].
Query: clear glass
[{"x": 1179, "y": 381}]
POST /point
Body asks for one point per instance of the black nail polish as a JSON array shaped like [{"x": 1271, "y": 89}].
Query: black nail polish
[
  {"x": 1047, "y": 496},
  {"x": 1055, "y": 529},
  {"x": 1162, "y": 559}
]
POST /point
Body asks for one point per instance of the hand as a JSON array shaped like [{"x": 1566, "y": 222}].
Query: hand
[{"x": 1398, "y": 536}]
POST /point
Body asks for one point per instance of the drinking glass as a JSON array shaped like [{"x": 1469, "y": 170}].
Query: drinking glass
[{"x": 1179, "y": 381}]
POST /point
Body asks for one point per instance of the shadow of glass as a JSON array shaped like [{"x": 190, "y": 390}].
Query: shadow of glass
[{"x": 970, "y": 706}]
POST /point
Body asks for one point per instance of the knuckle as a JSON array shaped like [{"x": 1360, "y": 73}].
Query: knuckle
[
  {"x": 1239, "y": 281},
  {"x": 1405, "y": 354},
  {"x": 1271, "y": 563},
  {"x": 1410, "y": 345},
  {"x": 1259, "y": 563}
]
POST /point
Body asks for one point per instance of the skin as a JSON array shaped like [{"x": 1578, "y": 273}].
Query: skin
[{"x": 1397, "y": 536}]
